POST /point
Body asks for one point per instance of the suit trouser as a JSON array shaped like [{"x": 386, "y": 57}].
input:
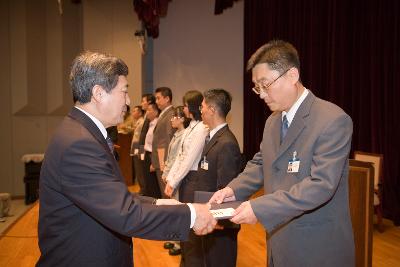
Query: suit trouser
[
  {"x": 161, "y": 183},
  {"x": 151, "y": 188},
  {"x": 138, "y": 171},
  {"x": 216, "y": 249}
]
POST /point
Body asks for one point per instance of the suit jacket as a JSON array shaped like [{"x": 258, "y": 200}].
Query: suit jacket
[
  {"x": 145, "y": 128},
  {"x": 87, "y": 215},
  {"x": 162, "y": 135},
  {"x": 218, "y": 248},
  {"x": 306, "y": 213},
  {"x": 222, "y": 153}
]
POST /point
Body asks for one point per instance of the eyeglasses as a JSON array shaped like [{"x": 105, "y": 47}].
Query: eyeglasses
[
  {"x": 258, "y": 88},
  {"x": 175, "y": 117}
]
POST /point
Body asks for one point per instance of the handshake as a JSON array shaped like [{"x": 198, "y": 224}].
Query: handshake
[{"x": 206, "y": 221}]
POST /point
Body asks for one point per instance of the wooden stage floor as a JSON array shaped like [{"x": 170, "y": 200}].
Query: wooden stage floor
[{"x": 19, "y": 246}]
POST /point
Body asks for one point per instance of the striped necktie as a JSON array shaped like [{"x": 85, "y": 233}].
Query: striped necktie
[{"x": 110, "y": 144}]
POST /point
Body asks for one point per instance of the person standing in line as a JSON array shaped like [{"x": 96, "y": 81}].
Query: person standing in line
[
  {"x": 302, "y": 165},
  {"x": 137, "y": 171},
  {"x": 179, "y": 122},
  {"x": 220, "y": 162},
  {"x": 163, "y": 133},
  {"x": 146, "y": 100},
  {"x": 182, "y": 175},
  {"x": 151, "y": 185},
  {"x": 87, "y": 216}
]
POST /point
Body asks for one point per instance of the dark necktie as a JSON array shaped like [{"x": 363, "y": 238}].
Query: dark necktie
[
  {"x": 284, "y": 127},
  {"x": 207, "y": 138},
  {"x": 110, "y": 144}
]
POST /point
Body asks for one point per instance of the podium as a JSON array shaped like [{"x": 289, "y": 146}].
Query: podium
[
  {"x": 361, "y": 195},
  {"x": 33, "y": 163}
]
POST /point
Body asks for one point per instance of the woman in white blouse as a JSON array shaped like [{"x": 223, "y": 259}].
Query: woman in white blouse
[
  {"x": 179, "y": 121},
  {"x": 183, "y": 171}
]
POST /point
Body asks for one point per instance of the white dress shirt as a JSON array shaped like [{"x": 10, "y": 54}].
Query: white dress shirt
[
  {"x": 96, "y": 121},
  {"x": 148, "y": 143},
  {"x": 292, "y": 111}
]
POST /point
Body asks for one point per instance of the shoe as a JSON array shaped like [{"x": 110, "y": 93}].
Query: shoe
[
  {"x": 168, "y": 245},
  {"x": 175, "y": 251}
]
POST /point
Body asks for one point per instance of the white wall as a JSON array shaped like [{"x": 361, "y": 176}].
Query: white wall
[
  {"x": 197, "y": 50},
  {"x": 109, "y": 27},
  {"x": 38, "y": 46}
]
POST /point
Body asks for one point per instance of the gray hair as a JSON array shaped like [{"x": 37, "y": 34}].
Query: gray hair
[{"x": 90, "y": 69}]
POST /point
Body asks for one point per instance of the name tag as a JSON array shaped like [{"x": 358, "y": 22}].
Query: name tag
[
  {"x": 204, "y": 164},
  {"x": 294, "y": 164}
]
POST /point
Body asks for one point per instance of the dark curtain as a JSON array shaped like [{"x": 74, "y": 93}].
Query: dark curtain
[
  {"x": 349, "y": 56},
  {"x": 221, "y": 5}
]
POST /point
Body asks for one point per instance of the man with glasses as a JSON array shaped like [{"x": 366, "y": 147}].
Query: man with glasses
[{"x": 302, "y": 165}]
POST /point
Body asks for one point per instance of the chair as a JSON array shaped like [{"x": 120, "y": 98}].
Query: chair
[{"x": 377, "y": 161}]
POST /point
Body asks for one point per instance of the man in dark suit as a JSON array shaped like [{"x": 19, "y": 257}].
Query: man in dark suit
[
  {"x": 162, "y": 134},
  {"x": 87, "y": 215},
  {"x": 220, "y": 163},
  {"x": 146, "y": 100}
]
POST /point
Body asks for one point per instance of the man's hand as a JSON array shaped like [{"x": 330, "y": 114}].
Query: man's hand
[
  {"x": 168, "y": 190},
  {"x": 224, "y": 195},
  {"x": 167, "y": 201},
  {"x": 205, "y": 222},
  {"x": 244, "y": 214},
  {"x": 152, "y": 169}
]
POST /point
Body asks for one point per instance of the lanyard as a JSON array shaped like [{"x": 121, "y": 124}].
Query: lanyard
[{"x": 191, "y": 129}]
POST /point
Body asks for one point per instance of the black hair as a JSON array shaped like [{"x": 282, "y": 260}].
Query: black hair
[{"x": 193, "y": 101}]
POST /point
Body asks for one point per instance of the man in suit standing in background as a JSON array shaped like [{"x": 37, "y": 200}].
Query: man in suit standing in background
[
  {"x": 162, "y": 134},
  {"x": 302, "y": 165},
  {"x": 87, "y": 215},
  {"x": 146, "y": 100},
  {"x": 220, "y": 163}
]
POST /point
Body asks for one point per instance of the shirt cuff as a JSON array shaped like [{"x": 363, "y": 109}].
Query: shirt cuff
[{"x": 192, "y": 214}]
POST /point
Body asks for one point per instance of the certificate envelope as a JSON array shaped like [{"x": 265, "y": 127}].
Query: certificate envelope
[{"x": 204, "y": 197}]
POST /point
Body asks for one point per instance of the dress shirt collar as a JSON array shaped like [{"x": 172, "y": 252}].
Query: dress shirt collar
[
  {"x": 153, "y": 122},
  {"x": 179, "y": 132},
  {"x": 164, "y": 110},
  {"x": 216, "y": 129},
  {"x": 96, "y": 121},
  {"x": 292, "y": 111}
]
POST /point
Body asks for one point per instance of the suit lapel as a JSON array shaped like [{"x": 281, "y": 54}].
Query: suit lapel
[
  {"x": 276, "y": 131},
  {"x": 297, "y": 125},
  {"x": 83, "y": 119},
  {"x": 162, "y": 117},
  {"x": 214, "y": 140}
]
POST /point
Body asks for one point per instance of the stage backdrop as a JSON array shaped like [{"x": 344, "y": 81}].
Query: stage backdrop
[{"x": 349, "y": 52}]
